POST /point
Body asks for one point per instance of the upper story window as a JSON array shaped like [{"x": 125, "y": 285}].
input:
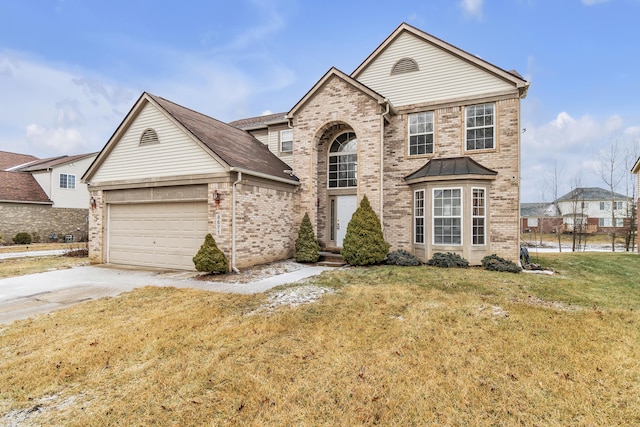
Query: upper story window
[
  {"x": 67, "y": 181},
  {"x": 405, "y": 65},
  {"x": 480, "y": 124},
  {"x": 421, "y": 133},
  {"x": 343, "y": 161},
  {"x": 149, "y": 136},
  {"x": 286, "y": 141}
]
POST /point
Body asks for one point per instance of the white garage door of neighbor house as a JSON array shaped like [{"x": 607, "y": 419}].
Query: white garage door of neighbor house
[{"x": 164, "y": 235}]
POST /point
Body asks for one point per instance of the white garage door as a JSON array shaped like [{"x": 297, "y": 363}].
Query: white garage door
[{"x": 165, "y": 235}]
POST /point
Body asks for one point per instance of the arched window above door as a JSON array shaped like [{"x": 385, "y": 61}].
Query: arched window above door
[{"x": 343, "y": 161}]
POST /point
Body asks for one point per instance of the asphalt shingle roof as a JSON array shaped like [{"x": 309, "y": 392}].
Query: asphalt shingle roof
[
  {"x": 591, "y": 193},
  {"x": 21, "y": 187},
  {"x": 10, "y": 160},
  {"x": 237, "y": 148}
]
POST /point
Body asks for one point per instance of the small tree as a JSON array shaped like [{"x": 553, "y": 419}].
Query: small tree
[
  {"x": 210, "y": 258},
  {"x": 364, "y": 243},
  {"x": 307, "y": 248}
]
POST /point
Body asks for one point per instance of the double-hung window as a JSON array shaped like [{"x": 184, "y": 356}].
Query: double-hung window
[
  {"x": 421, "y": 133},
  {"x": 480, "y": 120},
  {"x": 418, "y": 216},
  {"x": 286, "y": 141},
  {"x": 478, "y": 216},
  {"x": 343, "y": 161},
  {"x": 447, "y": 216},
  {"x": 67, "y": 181}
]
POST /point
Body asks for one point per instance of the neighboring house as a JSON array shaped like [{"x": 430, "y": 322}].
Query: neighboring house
[
  {"x": 44, "y": 197},
  {"x": 540, "y": 217},
  {"x": 428, "y": 132},
  {"x": 593, "y": 210}
]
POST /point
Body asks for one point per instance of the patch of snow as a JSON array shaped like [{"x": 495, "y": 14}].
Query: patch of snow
[{"x": 294, "y": 296}]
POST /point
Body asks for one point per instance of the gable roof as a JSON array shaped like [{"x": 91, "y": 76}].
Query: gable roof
[
  {"x": 236, "y": 149},
  {"x": 10, "y": 160},
  {"x": 538, "y": 209},
  {"x": 260, "y": 121},
  {"x": 590, "y": 194},
  {"x": 21, "y": 187},
  {"x": 462, "y": 166},
  {"x": 334, "y": 72},
  {"x": 511, "y": 76},
  {"x": 44, "y": 164},
  {"x": 636, "y": 168}
]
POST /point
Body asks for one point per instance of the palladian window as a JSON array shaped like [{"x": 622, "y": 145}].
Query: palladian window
[{"x": 343, "y": 161}]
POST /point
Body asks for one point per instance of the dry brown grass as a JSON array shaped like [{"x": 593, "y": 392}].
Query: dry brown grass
[
  {"x": 21, "y": 266},
  {"x": 392, "y": 346}
]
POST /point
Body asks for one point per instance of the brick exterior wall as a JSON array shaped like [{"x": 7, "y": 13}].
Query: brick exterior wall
[
  {"x": 42, "y": 220},
  {"x": 338, "y": 107},
  {"x": 96, "y": 228}
]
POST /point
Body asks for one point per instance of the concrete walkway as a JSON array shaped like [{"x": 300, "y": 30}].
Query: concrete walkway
[{"x": 25, "y": 296}]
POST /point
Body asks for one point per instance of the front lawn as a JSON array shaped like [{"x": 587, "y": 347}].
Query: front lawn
[{"x": 392, "y": 346}]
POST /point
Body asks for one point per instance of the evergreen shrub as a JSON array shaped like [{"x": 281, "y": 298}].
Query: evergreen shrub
[
  {"x": 364, "y": 242},
  {"x": 402, "y": 258},
  {"x": 448, "y": 260},
  {"x": 210, "y": 258},
  {"x": 496, "y": 263},
  {"x": 22, "y": 239},
  {"x": 307, "y": 247}
]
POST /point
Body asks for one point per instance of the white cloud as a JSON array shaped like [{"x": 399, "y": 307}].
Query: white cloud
[
  {"x": 574, "y": 145},
  {"x": 472, "y": 8},
  {"x": 46, "y": 112}
]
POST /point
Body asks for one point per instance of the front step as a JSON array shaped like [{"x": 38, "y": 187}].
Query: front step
[{"x": 330, "y": 259}]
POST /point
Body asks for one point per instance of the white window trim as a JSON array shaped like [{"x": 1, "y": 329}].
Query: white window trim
[
  {"x": 433, "y": 216},
  {"x": 484, "y": 216},
  {"x": 67, "y": 187},
  {"x": 285, "y": 140},
  {"x": 432, "y": 133},
  {"x": 493, "y": 126},
  {"x": 339, "y": 154},
  {"x": 423, "y": 216}
]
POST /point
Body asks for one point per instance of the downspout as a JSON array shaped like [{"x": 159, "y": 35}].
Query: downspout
[
  {"x": 233, "y": 222},
  {"x": 382, "y": 116}
]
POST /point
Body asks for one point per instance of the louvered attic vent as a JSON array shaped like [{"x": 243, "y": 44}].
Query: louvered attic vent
[
  {"x": 149, "y": 136},
  {"x": 405, "y": 65}
]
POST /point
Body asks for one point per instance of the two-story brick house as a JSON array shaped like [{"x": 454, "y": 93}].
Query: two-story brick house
[{"x": 428, "y": 132}]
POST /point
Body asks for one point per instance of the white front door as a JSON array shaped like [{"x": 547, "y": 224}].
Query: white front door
[{"x": 345, "y": 207}]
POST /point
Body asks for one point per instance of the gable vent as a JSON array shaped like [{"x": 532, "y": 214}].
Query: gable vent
[
  {"x": 149, "y": 136},
  {"x": 405, "y": 65}
]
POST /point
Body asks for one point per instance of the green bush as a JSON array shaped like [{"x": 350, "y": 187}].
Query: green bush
[
  {"x": 307, "y": 248},
  {"x": 402, "y": 258},
  {"x": 364, "y": 243},
  {"x": 448, "y": 260},
  {"x": 22, "y": 239},
  {"x": 495, "y": 263},
  {"x": 210, "y": 258}
]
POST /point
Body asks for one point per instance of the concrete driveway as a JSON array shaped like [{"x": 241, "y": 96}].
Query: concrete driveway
[{"x": 25, "y": 296}]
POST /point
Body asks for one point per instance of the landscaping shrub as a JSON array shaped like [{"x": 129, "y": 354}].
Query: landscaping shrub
[
  {"x": 402, "y": 258},
  {"x": 210, "y": 258},
  {"x": 22, "y": 239},
  {"x": 307, "y": 248},
  {"x": 448, "y": 260},
  {"x": 496, "y": 263},
  {"x": 364, "y": 243}
]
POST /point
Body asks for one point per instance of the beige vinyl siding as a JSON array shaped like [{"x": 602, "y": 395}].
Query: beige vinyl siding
[
  {"x": 441, "y": 76},
  {"x": 175, "y": 155},
  {"x": 274, "y": 143},
  {"x": 261, "y": 135}
]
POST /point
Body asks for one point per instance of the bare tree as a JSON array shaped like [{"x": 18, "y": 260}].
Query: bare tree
[
  {"x": 610, "y": 170},
  {"x": 553, "y": 183},
  {"x": 632, "y": 153}
]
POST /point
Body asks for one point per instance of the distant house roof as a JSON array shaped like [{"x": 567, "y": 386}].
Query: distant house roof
[
  {"x": 21, "y": 187},
  {"x": 11, "y": 160},
  {"x": 44, "y": 164},
  {"x": 260, "y": 121},
  {"x": 451, "y": 166},
  {"x": 590, "y": 194},
  {"x": 540, "y": 209},
  {"x": 237, "y": 148}
]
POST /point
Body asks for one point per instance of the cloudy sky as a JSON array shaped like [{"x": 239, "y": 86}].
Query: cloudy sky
[{"x": 70, "y": 70}]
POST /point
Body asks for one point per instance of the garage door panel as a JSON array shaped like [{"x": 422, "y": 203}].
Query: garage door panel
[{"x": 165, "y": 235}]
